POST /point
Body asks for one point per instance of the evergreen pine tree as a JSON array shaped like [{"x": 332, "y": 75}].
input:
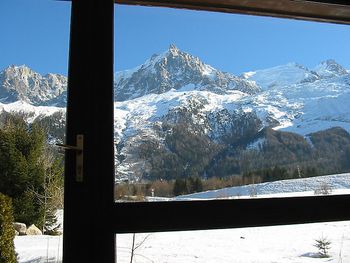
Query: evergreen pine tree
[
  {"x": 7, "y": 232},
  {"x": 23, "y": 169}
]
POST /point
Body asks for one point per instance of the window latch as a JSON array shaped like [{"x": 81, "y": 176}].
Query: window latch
[{"x": 79, "y": 150}]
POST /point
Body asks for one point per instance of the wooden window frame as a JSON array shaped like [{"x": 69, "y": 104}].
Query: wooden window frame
[{"x": 91, "y": 217}]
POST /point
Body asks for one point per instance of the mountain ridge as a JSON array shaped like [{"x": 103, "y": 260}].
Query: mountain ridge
[
  {"x": 22, "y": 83},
  {"x": 174, "y": 96},
  {"x": 174, "y": 69}
]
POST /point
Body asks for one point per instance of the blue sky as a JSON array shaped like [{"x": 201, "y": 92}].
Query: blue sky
[{"x": 36, "y": 33}]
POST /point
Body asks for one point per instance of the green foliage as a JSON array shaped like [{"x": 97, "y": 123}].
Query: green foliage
[
  {"x": 7, "y": 232},
  {"x": 332, "y": 149},
  {"x": 188, "y": 152},
  {"x": 24, "y": 168},
  {"x": 189, "y": 185},
  {"x": 195, "y": 184},
  {"x": 180, "y": 187},
  {"x": 54, "y": 125}
]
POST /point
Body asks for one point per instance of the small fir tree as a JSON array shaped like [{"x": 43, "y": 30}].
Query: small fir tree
[{"x": 323, "y": 245}]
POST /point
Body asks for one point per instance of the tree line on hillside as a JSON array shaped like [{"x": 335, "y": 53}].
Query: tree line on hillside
[
  {"x": 182, "y": 186},
  {"x": 185, "y": 154}
]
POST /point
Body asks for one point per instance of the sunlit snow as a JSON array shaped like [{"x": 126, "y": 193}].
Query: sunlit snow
[{"x": 280, "y": 244}]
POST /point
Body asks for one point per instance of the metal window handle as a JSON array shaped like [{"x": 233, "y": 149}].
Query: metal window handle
[{"x": 79, "y": 160}]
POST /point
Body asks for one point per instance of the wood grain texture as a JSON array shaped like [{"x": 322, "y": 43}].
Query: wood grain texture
[{"x": 323, "y": 11}]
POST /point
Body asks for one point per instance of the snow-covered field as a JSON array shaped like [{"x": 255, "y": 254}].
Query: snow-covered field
[
  {"x": 288, "y": 244},
  {"x": 39, "y": 249},
  {"x": 280, "y": 244}
]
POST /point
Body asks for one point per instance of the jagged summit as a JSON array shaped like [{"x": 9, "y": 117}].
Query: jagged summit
[
  {"x": 176, "y": 69},
  {"x": 23, "y": 83},
  {"x": 330, "y": 68},
  {"x": 173, "y": 48},
  {"x": 18, "y": 71}
]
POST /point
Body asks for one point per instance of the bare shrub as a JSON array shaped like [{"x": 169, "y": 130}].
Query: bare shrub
[{"x": 323, "y": 245}]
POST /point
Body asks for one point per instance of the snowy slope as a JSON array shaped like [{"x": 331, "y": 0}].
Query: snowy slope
[
  {"x": 139, "y": 115},
  {"x": 339, "y": 183},
  {"x": 29, "y": 111},
  {"x": 307, "y": 107},
  {"x": 283, "y": 75}
]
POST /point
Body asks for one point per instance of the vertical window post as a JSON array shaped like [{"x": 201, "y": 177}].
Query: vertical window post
[{"x": 88, "y": 236}]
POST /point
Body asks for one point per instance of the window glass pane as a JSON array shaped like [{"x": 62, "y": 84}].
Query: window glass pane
[
  {"x": 293, "y": 243},
  {"x": 240, "y": 106},
  {"x": 33, "y": 91}
]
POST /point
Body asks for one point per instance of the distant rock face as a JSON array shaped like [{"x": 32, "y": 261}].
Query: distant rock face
[
  {"x": 175, "y": 69},
  {"x": 33, "y": 231},
  {"x": 22, "y": 83}
]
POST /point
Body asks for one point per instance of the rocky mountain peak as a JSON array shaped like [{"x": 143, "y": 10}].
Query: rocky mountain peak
[
  {"x": 22, "y": 83},
  {"x": 176, "y": 69},
  {"x": 330, "y": 68},
  {"x": 22, "y": 72},
  {"x": 173, "y": 48}
]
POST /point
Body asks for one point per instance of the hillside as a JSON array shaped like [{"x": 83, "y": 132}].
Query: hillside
[{"x": 336, "y": 184}]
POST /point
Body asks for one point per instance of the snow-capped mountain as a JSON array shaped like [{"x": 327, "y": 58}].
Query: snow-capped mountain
[
  {"x": 175, "y": 69},
  {"x": 330, "y": 68},
  {"x": 22, "y": 83},
  {"x": 293, "y": 98},
  {"x": 174, "y": 96},
  {"x": 289, "y": 98},
  {"x": 283, "y": 75},
  {"x": 303, "y": 100}
]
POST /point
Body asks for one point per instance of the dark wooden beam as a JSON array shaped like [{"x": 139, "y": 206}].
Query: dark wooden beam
[
  {"x": 336, "y": 11},
  {"x": 88, "y": 204},
  {"x": 219, "y": 214}
]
